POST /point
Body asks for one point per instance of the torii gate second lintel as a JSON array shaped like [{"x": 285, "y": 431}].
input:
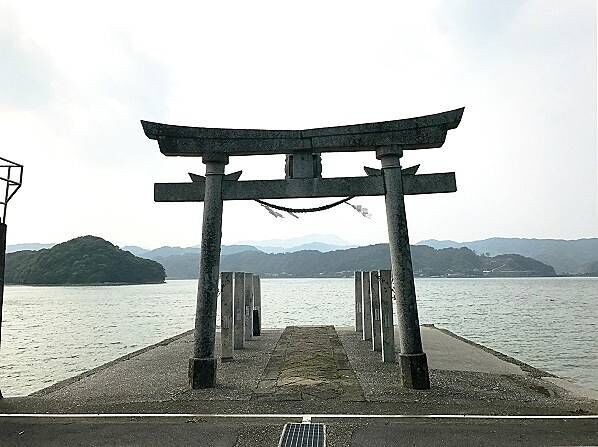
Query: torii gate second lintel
[{"x": 303, "y": 179}]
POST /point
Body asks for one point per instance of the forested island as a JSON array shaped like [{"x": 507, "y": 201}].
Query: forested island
[{"x": 84, "y": 260}]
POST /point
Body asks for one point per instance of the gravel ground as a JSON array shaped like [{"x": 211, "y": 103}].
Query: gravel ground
[{"x": 459, "y": 391}]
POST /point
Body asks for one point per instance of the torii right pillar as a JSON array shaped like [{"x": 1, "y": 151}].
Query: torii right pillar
[{"x": 412, "y": 359}]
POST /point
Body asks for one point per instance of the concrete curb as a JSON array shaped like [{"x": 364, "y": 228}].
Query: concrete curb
[{"x": 534, "y": 372}]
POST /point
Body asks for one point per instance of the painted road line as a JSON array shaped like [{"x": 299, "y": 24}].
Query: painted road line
[{"x": 301, "y": 417}]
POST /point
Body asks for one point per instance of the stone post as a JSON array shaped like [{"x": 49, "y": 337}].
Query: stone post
[
  {"x": 239, "y": 311},
  {"x": 412, "y": 360},
  {"x": 202, "y": 366},
  {"x": 386, "y": 317},
  {"x": 257, "y": 306},
  {"x": 366, "y": 306},
  {"x": 248, "y": 306},
  {"x": 375, "y": 310},
  {"x": 358, "y": 317},
  {"x": 226, "y": 316}
]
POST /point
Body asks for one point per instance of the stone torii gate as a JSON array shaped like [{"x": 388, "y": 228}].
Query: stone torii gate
[{"x": 303, "y": 179}]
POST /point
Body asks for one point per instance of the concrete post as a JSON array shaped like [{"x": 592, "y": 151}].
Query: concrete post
[
  {"x": 239, "y": 311},
  {"x": 366, "y": 306},
  {"x": 375, "y": 310},
  {"x": 358, "y": 317},
  {"x": 226, "y": 316},
  {"x": 386, "y": 317},
  {"x": 257, "y": 306},
  {"x": 202, "y": 366},
  {"x": 412, "y": 360},
  {"x": 248, "y": 306}
]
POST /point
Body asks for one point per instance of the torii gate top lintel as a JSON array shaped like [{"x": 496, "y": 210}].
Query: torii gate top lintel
[{"x": 422, "y": 132}]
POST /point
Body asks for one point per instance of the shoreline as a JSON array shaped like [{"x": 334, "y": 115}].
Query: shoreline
[
  {"x": 99, "y": 284},
  {"x": 295, "y": 277}
]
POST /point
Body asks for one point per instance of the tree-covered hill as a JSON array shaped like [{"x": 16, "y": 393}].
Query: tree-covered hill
[
  {"x": 566, "y": 256},
  {"x": 84, "y": 260},
  {"x": 458, "y": 262}
]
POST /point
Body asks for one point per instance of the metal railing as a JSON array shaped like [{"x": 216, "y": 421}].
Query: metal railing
[{"x": 11, "y": 174}]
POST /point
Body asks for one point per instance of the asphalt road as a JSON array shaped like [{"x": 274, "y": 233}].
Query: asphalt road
[{"x": 217, "y": 432}]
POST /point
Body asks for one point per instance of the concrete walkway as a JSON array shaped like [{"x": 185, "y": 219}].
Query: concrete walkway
[
  {"x": 309, "y": 370},
  {"x": 298, "y": 371}
]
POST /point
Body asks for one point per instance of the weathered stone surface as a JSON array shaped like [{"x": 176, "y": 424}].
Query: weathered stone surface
[
  {"x": 309, "y": 363},
  {"x": 387, "y": 333},
  {"x": 412, "y": 133},
  {"x": 239, "y": 310},
  {"x": 366, "y": 306},
  {"x": 414, "y": 371},
  {"x": 443, "y": 182},
  {"x": 248, "y": 306},
  {"x": 402, "y": 271},
  {"x": 375, "y": 311},
  {"x": 207, "y": 290},
  {"x": 226, "y": 316},
  {"x": 358, "y": 317},
  {"x": 202, "y": 373}
]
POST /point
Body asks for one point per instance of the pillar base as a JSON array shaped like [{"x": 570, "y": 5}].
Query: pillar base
[
  {"x": 414, "y": 371},
  {"x": 257, "y": 326},
  {"x": 226, "y": 359},
  {"x": 202, "y": 373}
]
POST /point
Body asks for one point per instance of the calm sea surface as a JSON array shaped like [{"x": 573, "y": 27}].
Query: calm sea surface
[{"x": 51, "y": 333}]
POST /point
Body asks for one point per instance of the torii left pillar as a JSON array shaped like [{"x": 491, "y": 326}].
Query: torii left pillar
[{"x": 202, "y": 366}]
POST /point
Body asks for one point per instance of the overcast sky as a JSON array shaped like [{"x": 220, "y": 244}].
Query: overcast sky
[{"x": 76, "y": 78}]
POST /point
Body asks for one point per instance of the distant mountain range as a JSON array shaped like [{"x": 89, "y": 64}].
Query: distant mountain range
[
  {"x": 166, "y": 251},
  {"x": 32, "y": 246},
  {"x": 333, "y": 256},
  {"x": 319, "y": 242},
  {"x": 450, "y": 262},
  {"x": 566, "y": 256},
  {"x": 427, "y": 262}
]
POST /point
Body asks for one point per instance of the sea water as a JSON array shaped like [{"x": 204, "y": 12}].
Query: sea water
[{"x": 52, "y": 333}]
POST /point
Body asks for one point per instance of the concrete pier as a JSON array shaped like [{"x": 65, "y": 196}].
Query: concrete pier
[
  {"x": 202, "y": 366},
  {"x": 412, "y": 358},
  {"x": 248, "y": 306},
  {"x": 375, "y": 311},
  {"x": 226, "y": 316},
  {"x": 386, "y": 317},
  {"x": 468, "y": 379},
  {"x": 358, "y": 316},
  {"x": 366, "y": 306},
  {"x": 239, "y": 310},
  {"x": 301, "y": 371},
  {"x": 257, "y": 305}
]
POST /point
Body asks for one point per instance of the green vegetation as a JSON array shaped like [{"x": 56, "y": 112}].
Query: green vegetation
[
  {"x": 567, "y": 257},
  {"x": 450, "y": 262},
  {"x": 84, "y": 260}
]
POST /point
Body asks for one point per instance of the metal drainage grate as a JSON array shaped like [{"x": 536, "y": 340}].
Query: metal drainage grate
[{"x": 303, "y": 435}]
